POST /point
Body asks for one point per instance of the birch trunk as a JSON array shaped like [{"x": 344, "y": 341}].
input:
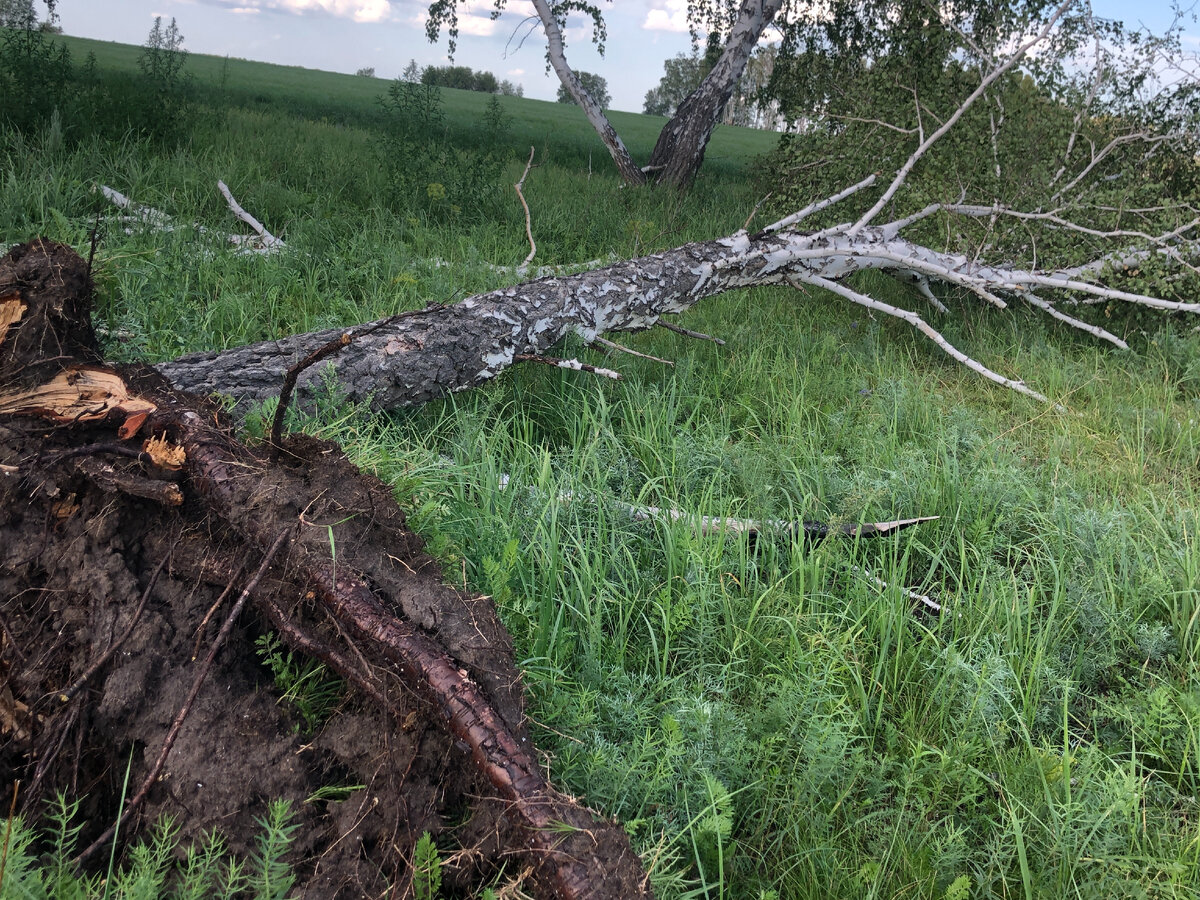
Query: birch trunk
[
  {"x": 409, "y": 359},
  {"x": 680, "y": 149},
  {"x": 554, "y": 48}
]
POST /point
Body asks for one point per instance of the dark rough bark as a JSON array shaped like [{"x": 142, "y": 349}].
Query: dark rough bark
[
  {"x": 410, "y": 359},
  {"x": 680, "y": 149}
]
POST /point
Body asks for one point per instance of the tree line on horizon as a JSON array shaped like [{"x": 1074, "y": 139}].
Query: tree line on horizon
[{"x": 463, "y": 78}]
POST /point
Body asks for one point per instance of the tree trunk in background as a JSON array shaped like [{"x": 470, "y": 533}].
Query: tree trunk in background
[
  {"x": 554, "y": 47},
  {"x": 680, "y": 149}
]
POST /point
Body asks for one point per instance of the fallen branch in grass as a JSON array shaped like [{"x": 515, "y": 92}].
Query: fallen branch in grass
[
  {"x": 926, "y": 602},
  {"x": 266, "y": 242},
  {"x": 524, "y": 266},
  {"x": 148, "y": 218}
]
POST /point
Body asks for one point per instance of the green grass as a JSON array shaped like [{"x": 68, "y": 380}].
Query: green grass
[
  {"x": 762, "y": 717},
  {"x": 341, "y": 99}
]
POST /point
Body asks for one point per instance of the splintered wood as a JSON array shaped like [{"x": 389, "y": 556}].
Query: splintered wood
[
  {"x": 11, "y": 310},
  {"x": 78, "y": 394}
]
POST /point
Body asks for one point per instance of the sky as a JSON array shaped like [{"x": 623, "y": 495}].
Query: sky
[{"x": 346, "y": 35}]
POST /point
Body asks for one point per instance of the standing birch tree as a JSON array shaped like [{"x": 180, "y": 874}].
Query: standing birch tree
[{"x": 820, "y": 46}]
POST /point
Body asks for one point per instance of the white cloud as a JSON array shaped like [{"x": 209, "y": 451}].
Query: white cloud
[
  {"x": 670, "y": 15},
  {"x": 479, "y": 26},
  {"x": 524, "y": 8},
  {"x": 245, "y": 11},
  {"x": 358, "y": 10},
  {"x": 577, "y": 34},
  {"x": 516, "y": 73}
]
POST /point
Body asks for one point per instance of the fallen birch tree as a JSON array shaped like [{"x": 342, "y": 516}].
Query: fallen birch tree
[{"x": 413, "y": 357}]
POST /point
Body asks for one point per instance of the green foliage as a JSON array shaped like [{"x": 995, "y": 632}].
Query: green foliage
[
  {"x": 165, "y": 103},
  {"x": 595, "y": 85},
  {"x": 462, "y": 77},
  {"x": 35, "y": 77},
  {"x": 426, "y": 869},
  {"x": 272, "y": 876},
  {"x": 1093, "y": 154},
  {"x": 304, "y": 682},
  {"x": 40, "y": 89},
  {"x": 682, "y": 74},
  {"x": 765, "y": 718},
  {"x": 152, "y": 870},
  {"x": 430, "y": 172}
]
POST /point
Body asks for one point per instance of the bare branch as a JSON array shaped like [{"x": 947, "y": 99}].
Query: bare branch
[
  {"x": 789, "y": 221},
  {"x": 924, "y": 327},
  {"x": 269, "y": 241},
  {"x": 619, "y": 348},
  {"x": 524, "y": 266},
  {"x": 1112, "y": 145},
  {"x": 1095, "y": 330},
  {"x": 687, "y": 332},
  {"x": 902, "y": 175},
  {"x": 572, "y": 364}
]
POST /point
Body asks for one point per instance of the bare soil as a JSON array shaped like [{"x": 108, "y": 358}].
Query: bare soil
[{"x": 88, "y": 530}]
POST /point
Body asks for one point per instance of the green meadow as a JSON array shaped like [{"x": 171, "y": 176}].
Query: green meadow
[{"x": 769, "y": 718}]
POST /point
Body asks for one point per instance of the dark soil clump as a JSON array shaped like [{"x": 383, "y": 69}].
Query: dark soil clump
[{"x": 117, "y": 571}]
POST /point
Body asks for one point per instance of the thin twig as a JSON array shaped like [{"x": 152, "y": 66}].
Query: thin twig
[
  {"x": 687, "y": 332},
  {"x": 754, "y": 212},
  {"x": 197, "y": 683},
  {"x": 95, "y": 237},
  {"x": 212, "y": 609},
  {"x": 567, "y": 364},
  {"x": 1094, "y": 330},
  {"x": 528, "y": 226},
  {"x": 613, "y": 345}
]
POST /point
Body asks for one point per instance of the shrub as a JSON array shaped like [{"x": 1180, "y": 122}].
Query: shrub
[{"x": 426, "y": 171}]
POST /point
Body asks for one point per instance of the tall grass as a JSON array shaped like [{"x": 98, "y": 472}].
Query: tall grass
[{"x": 766, "y": 717}]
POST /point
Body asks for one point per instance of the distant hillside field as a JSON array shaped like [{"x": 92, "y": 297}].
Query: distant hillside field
[{"x": 353, "y": 99}]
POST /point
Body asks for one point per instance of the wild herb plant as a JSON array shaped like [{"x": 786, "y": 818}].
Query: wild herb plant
[
  {"x": 430, "y": 168},
  {"x": 39, "y": 864},
  {"x": 304, "y": 683}
]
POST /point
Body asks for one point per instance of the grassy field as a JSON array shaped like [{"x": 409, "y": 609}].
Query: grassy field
[
  {"x": 770, "y": 719},
  {"x": 354, "y": 100}
]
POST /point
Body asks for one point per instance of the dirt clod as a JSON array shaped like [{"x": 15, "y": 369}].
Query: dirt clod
[{"x": 93, "y": 677}]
